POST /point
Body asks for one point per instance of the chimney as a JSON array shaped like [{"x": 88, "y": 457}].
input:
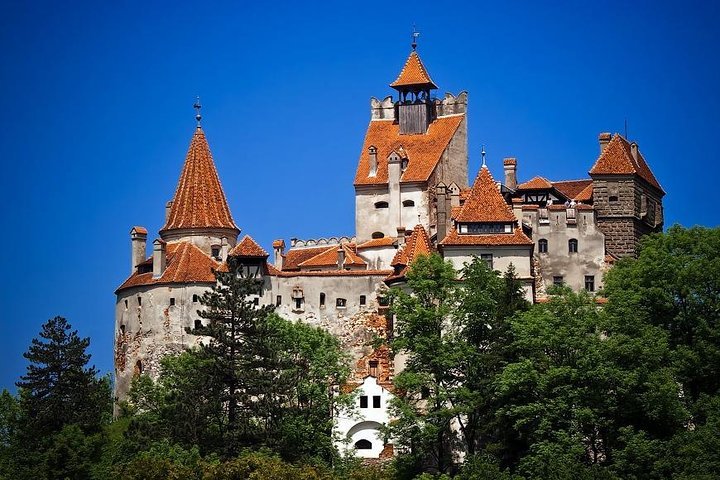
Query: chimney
[
  {"x": 168, "y": 206},
  {"x": 278, "y": 250},
  {"x": 510, "y": 165},
  {"x": 372, "y": 150},
  {"x": 224, "y": 248},
  {"x": 341, "y": 258},
  {"x": 454, "y": 195},
  {"x": 401, "y": 236},
  {"x": 604, "y": 139},
  {"x": 138, "y": 241},
  {"x": 634, "y": 151},
  {"x": 441, "y": 210},
  {"x": 158, "y": 258}
]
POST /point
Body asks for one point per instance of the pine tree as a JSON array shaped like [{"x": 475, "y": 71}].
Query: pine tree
[{"x": 58, "y": 388}]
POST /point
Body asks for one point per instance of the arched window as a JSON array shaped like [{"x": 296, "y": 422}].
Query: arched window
[
  {"x": 572, "y": 245},
  {"x": 378, "y": 235},
  {"x": 408, "y": 203},
  {"x": 542, "y": 245},
  {"x": 322, "y": 299},
  {"x": 381, "y": 204},
  {"x": 363, "y": 444}
]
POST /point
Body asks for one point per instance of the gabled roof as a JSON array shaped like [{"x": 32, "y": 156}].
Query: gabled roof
[
  {"x": 617, "y": 159},
  {"x": 571, "y": 188},
  {"x": 417, "y": 244},
  {"x": 377, "y": 243},
  {"x": 485, "y": 203},
  {"x": 248, "y": 248},
  {"x": 423, "y": 150},
  {"x": 199, "y": 200},
  {"x": 536, "y": 183},
  {"x": 186, "y": 263},
  {"x": 585, "y": 195},
  {"x": 329, "y": 257},
  {"x": 516, "y": 238},
  {"x": 294, "y": 257},
  {"x": 413, "y": 74}
]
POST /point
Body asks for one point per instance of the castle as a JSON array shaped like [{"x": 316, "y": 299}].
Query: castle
[{"x": 411, "y": 198}]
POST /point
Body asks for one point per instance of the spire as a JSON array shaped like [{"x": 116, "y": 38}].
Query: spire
[
  {"x": 197, "y": 108},
  {"x": 485, "y": 203},
  {"x": 413, "y": 75},
  {"x": 199, "y": 200}
]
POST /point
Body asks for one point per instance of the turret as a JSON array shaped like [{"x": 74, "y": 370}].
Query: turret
[
  {"x": 138, "y": 244},
  {"x": 415, "y": 109}
]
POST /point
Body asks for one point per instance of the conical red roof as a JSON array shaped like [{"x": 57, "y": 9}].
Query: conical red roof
[
  {"x": 617, "y": 159},
  {"x": 413, "y": 74},
  {"x": 199, "y": 200},
  {"x": 485, "y": 203},
  {"x": 248, "y": 248}
]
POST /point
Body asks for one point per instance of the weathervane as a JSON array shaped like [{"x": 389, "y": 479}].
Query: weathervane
[
  {"x": 415, "y": 35},
  {"x": 197, "y": 108},
  {"x": 482, "y": 153}
]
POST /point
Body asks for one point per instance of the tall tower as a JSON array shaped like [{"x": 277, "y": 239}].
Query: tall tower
[{"x": 415, "y": 110}]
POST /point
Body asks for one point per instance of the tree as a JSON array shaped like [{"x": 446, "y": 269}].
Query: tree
[{"x": 59, "y": 388}]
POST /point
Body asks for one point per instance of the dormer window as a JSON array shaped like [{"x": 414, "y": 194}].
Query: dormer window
[
  {"x": 484, "y": 228},
  {"x": 215, "y": 251},
  {"x": 381, "y": 204}
]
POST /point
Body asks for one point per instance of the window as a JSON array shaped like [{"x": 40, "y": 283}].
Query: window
[
  {"x": 278, "y": 300},
  {"x": 378, "y": 235},
  {"x": 215, "y": 251},
  {"x": 373, "y": 368},
  {"x": 195, "y": 298},
  {"x": 558, "y": 280},
  {"x": 363, "y": 444},
  {"x": 172, "y": 301},
  {"x": 542, "y": 245},
  {"x": 363, "y": 300},
  {"x": 488, "y": 259},
  {"x": 381, "y": 204},
  {"x": 126, "y": 304},
  {"x": 408, "y": 203},
  {"x": 139, "y": 301},
  {"x": 340, "y": 303},
  {"x": 298, "y": 303},
  {"x": 590, "y": 283},
  {"x": 481, "y": 228},
  {"x": 572, "y": 245},
  {"x": 363, "y": 401},
  {"x": 424, "y": 392},
  {"x": 376, "y": 401},
  {"x": 198, "y": 324},
  {"x": 256, "y": 301},
  {"x": 122, "y": 329},
  {"x": 613, "y": 198},
  {"x": 322, "y": 299}
]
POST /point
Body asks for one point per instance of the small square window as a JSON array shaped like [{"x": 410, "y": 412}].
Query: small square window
[
  {"x": 363, "y": 401},
  {"x": 340, "y": 303},
  {"x": 376, "y": 401},
  {"x": 198, "y": 324},
  {"x": 363, "y": 300},
  {"x": 215, "y": 252},
  {"x": 558, "y": 280},
  {"x": 590, "y": 283},
  {"x": 172, "y": 301},
  {"x": 195, "y": 298}
]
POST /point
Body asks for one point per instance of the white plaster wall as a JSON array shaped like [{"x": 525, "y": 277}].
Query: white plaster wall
[
  {"x": 203, "y": 239},
  {"x": 378, "y": 258},
  {"x": 369, "y": 219},
  {"x": 418, "y": 194},
  {"x": 363, "y": 423}
]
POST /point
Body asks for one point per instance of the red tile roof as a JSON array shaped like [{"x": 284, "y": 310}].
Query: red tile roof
[
  {"x": 186, "y": 263},
  {"x": 536, "y": 183},
  {"x": 329, "y": 258},
  {"x": 485, "y": 203},
  {"x": 571, "y": 188},
  {"x": 417, "y": 244},
  {"x": 332, "y": 273},
  {"x": 280, "y": 243},
  {"x": 294, "y": 257},
  {"x": 498, "y": 239},
  {"x": 586, "y": 195},
  {"x": 423, "y": 150},
  {"x": 140, "y": 230},
  {"x": 248, "y": 248},
  {"x": 377, "y": 242},
  {"x": 413, "y": 73},
  {"x": 199, "y": 200},
  {"x": 617, "y": 159}
]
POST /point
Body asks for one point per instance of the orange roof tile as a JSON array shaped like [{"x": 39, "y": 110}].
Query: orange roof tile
[
  {"x": 417, "y": 244},
  {"x": 280, "y": 243},
  {"x": 199, "y": 200},
  {"x": 140, "y": 230},
  {"x": 571, "y": 188},
  {"x": 536, "y": 183},
  {"x": 586, "y": 195},
  {"x": 617, "y": 159},
  {"x": 498, "y": 239},
  {"x": 485, "y": 203},
  {"x": 186, "y": 263},
  {"x": 377, "y": 242},
  {"x": 329, "y": 257},
  {"x": 530, "y": 207},
  {"x": 294, "y": 257},
  {"x": 423, "y": 150},
  {"x": 248, "y": 248},
  {"x": 332, "y": 273},
  {"x": 413, "y": 73}
]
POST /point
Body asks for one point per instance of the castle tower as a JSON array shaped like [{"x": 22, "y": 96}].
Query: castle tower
[
  {"x": 626, "y": 195},
  {"x": 410, "y": 146},
  {"x": 199, "y": 212}
]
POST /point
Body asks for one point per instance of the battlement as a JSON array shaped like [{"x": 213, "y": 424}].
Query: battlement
[
  {"x": 449, "y": 105},
  {"x": 320, "y": 242}
]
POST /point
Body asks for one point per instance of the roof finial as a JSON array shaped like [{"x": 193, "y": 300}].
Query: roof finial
[
  {"x": 197, "y": 108},
  {"x": 482, "y": 153},
  {"x": 415, "y": 35}
]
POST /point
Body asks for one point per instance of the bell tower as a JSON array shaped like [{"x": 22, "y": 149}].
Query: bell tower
[{"x": 414, "y": 110}]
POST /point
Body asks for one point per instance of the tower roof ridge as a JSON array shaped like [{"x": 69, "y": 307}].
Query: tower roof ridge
[
  {"x": 617, "y": 159},
  {"x": 485, "y": 203},
  {"x": 199, "y": 200},
  {"x": 413, "y": 73}
]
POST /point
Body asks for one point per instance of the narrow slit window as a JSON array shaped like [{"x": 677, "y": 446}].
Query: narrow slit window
[
  {"x": 172, "y": 301},
  {"x": 198, "y": 324},
  {"x": 363, "y": 300},
  {"x": 542, "y": 245},
  {"x": 376, "y": 401},
  {"x": 590, "y": 283},
  {"x": 572, "y": 245},
  {"x": 363, "y": 401},
  {"x": 322, "y": 299},
  {"x": 139, "y": 301},
  {"x": 195, "y": 298},
  {"x": 278, "y": 300}
]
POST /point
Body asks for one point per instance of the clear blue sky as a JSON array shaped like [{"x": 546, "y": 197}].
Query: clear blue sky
[{"x": 97, "y": 117}]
